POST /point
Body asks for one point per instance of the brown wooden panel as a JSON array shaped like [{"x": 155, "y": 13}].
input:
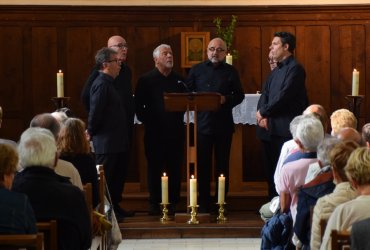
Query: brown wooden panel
[
  {"x": 11, "y": 67},
  {"x": 314, "y": 54},
  {"x": 44, "y": 68}
]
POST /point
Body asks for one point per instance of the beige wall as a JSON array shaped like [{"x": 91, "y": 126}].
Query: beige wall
[{"x": 181, "y": 2}]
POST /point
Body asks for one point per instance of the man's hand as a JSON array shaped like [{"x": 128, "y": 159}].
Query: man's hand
[
  {"x": 262, "y": 122},
  {"x": 223, "y": 99}
]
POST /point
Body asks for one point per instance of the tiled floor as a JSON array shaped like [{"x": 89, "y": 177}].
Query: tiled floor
[{"x": 192, "y": 244}]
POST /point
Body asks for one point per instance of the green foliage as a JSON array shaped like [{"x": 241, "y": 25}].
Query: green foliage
[{"x": 226, "y": 33}]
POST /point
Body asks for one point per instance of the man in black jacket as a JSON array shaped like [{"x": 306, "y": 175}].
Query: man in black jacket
[
  {"x": 52, "y": 196},
  {"x": 283, "y": 97}
]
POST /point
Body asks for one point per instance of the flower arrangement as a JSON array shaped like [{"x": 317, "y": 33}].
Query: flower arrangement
[{"x": 226, "y": 33}]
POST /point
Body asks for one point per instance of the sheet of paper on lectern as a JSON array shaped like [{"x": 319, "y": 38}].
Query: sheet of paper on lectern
[{"x": 245, "y": 112}]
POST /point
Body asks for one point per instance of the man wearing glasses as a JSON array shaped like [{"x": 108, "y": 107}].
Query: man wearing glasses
[
  {"x": 122, "y": 83},
  {"x": 215, "y": 129}
]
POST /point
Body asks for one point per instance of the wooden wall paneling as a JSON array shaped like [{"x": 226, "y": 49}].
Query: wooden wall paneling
[
  {"x": 334, "y": 66},
  {"x": 44, "y": 68},
  {"x": 313, "y": 53},
  {"x": 366, "y": 90},
  {"x": 247, "y": 42}
]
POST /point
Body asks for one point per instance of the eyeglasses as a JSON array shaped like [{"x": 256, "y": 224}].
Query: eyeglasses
[
  {"x": 120, "y": 46},
  {"x": 212, "y": 49},
  {"x": 114, "y": 60}
]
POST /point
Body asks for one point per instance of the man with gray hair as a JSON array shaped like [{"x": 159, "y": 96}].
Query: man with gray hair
[
  {"x": 107, "y": 126},
  {"x": 52, "y": 196},
  {"x": 164, "y": 131}
]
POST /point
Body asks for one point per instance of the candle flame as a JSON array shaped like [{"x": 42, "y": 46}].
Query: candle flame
[
  {"x": 192, "y": 176},
  {"x": 164, "y": 174},
  {"x": 355, "y": 70},
  {"x": 60, "y": 71},
  {"x": 222, "y": 175}
]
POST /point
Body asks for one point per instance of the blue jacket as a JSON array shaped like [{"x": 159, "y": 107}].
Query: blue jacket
[
  {"x": 16, "y": 214},
  {"x": 277, "y": 232}
]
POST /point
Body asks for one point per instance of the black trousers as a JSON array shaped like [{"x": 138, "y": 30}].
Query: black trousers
[
  {"x": 115, "y": 169},
  {"x": 272, "y": 151},
  {"x": 164, "y": 154},
  {"x": 220, "y": 145}
]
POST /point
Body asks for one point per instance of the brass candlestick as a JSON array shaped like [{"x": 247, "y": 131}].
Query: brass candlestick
[
  {"x": 165, "y": 217},
  {"x": 193, "y": 215},
  {"x": 221, "y": 218},
  {"x": 60, "y": 102}
]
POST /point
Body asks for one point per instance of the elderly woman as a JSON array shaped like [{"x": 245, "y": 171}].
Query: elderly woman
[
  {"x": 342, "y": 193},
  {"x": 358, "y": 173},
  {"x": 17, "y": 216}
]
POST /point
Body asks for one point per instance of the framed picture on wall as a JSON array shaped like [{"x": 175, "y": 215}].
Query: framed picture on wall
[{"x": 193, "y": 48}]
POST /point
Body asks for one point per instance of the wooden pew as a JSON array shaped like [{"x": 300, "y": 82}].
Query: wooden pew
[
  {"x": 50, "y": 231},
  {"x": 15, "y": 241},
  {"x": 340, "y": 240}
]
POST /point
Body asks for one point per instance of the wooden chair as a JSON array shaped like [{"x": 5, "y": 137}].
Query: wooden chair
[
  {"x": 87, "y": 188},
  {"x": 50, "y": 231},
  {"x": 15, "y": 241},
  {"x": 340, "y": 240}
]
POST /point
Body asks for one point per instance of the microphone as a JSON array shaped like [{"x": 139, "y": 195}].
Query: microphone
[{"x": 184, "y": 85}]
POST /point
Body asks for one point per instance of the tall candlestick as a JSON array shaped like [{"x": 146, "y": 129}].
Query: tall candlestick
[
  {"x": 221, "y": 189},
  {"x": 229, "y": 59},
  {"x": 355, "y": 82},
  {"x": 164, "y": 188},
  {"x": 193, "y": 191},
  {"x": 60, "y": 86}
]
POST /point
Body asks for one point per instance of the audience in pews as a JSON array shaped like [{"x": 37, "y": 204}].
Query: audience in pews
[
  {"x": 215, "y": 129},
  {"x": 318, "y": 182},
  {"x": 63, "y": 168},
  {"x": 343, "y": 191},
  {"x": 164, "y": 131},
  {"x": 16, "y": 213},
  {"x": 52, "y": 196},
  {"x": 75, "y": 148},
  {"x": 344, "y": 215},
  {"x": 342, "y": 118}
]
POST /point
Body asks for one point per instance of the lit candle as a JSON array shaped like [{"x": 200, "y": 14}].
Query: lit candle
[
  {"x": 193, "y": 191},
  {"x": 164, "y": 188},
  {"x": 229, "y": 59},
  {"x": 60, "y": 87},
  {"x": 221, "y": 189},
  {"x": 355, "y": 82}
]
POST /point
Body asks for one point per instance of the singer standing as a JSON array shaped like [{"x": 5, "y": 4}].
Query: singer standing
[{"x": 164, "y": 131}]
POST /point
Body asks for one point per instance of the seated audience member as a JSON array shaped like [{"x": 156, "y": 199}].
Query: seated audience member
[
  {"x": 60, "y": 116},
  {"x": 309, "y": 134},
  {"x": 318, "y": 183},
  {"x": 290, "y": 147},
  {"x": 74, "y": 147},
  {"x": 358, "y": 173},
  {"x": 366, "y": 134},
  {"x": 342, "y": 193},
  {"x": 351, "y": 134},
  {"x": 360, "y": 232},
  {"x": 63, "y": 168},
  {"x": 17, "y": 216},
  {"x": 2, "y": 141},
  {"x": 342, "y": 118},
  {"x": 52, "y": 196}
]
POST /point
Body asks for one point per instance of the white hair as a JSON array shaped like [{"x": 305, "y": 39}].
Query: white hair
[
  {"x": 324, "y": 149},
  {"x": 294, "y": 124},
  {"x": 37, "y": 147},
  {"x": 157, "y": 50},
  {"x": 310, "y": 132}
]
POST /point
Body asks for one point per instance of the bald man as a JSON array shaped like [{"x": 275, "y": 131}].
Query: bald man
[
  {"x": 122, "y": 84},
  {"x": 351, "y": 134}
]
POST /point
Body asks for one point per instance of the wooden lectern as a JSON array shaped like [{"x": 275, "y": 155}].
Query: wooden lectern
[{"x": 202, "y": 101}]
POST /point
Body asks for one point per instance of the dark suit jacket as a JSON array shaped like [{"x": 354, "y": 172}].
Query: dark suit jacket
[
  {"x": 283, "y": 97},
  {"x": 122, "y": 83},
  {"x": 107, "y": 122},
  {"x": 54, "y": 197},
  {"x": 360, "y": 233},
  {"x": 16, "y": 214}
]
